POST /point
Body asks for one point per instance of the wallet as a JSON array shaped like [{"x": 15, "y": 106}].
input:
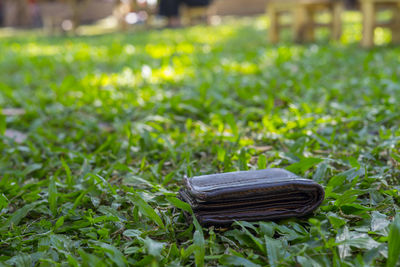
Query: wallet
[{"x": 270, "y": 194}]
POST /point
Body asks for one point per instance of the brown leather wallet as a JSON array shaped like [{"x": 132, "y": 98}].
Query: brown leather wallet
[{"x": 220, "y": 199}]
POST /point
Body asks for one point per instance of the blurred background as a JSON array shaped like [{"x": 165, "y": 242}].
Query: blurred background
[{"x": 67, "y": 15}]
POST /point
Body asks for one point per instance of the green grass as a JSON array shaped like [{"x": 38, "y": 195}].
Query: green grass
[{"x": 107, "y": 127}]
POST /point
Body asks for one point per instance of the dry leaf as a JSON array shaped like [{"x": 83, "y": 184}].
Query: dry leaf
[
  {"x": 17, "y": 136},
  {"x": 13, "y": 111},
  {"x": 262, "y": 148}
]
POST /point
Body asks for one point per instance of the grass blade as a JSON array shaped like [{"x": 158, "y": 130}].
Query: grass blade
[
  {"x": 18, "y": 215},
  {"x": 146, "y": 209},
  {"x": 198, "y": 241},
  {"x": 180, "y": 204},
  {"x": 394, "y": 242},
  {"x": 231, "y": 260},
  {"x": 69, "y": 181},
  {"x": 273, "y": 248},
  {"x": 53, "y": 196},
  {"x": 303, "y": 165}
]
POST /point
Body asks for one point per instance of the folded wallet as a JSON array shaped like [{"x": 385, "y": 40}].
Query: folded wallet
[{"x": 220, "y": 199}]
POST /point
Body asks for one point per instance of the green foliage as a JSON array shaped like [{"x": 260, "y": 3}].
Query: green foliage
[{"x": 112, "y": 124}]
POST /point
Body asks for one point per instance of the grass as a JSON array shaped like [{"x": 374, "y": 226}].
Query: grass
[{"x": 97, "y": 133}]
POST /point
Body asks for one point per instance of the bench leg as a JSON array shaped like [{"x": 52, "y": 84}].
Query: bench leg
[
  {"x": 337, "y": 11},
  {"x": 303, "y": 26},
  {"x": 273, "y": 32},
  {"x": 368, "y": 11},
  {"x": 300, "y": 23},
  {"x": 396, "y": 26},
  {"x": 309, "y": 27}
]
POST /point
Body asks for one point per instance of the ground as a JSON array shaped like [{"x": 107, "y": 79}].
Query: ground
[{"x": 97, "y": 133}]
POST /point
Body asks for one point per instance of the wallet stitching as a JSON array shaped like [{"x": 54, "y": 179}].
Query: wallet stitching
[{"x": 245, "y": 180}]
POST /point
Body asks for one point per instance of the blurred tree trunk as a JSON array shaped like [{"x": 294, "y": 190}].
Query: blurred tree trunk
[{"x": 20, "y": 14}]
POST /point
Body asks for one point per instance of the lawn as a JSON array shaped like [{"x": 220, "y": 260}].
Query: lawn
[{"x": 97, "y": 133}]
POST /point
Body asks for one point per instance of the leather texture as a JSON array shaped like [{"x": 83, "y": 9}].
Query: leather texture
[{"x": 220, "y": 199}]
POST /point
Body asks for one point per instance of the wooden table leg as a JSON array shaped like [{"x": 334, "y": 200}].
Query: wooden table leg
[
  {"x": 337, "y": 11},
  {"x": 368, "y": 12},
  {"x": 273, "y": 32}
]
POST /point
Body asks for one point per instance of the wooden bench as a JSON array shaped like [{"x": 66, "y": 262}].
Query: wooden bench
[
  {"x": 193, "y": 15},
  {"x": 303, "y": 13},
  {"x": 55, "y": 13},
  {"x": 369, "y": 9}
]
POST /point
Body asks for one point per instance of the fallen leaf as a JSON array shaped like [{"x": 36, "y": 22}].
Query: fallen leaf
[
  {"x": 13, "y": 111},
  {"x": 17, "y": 136},
  {"x": 105, "y": 127},
  {"x": 262, "y": 148}
]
